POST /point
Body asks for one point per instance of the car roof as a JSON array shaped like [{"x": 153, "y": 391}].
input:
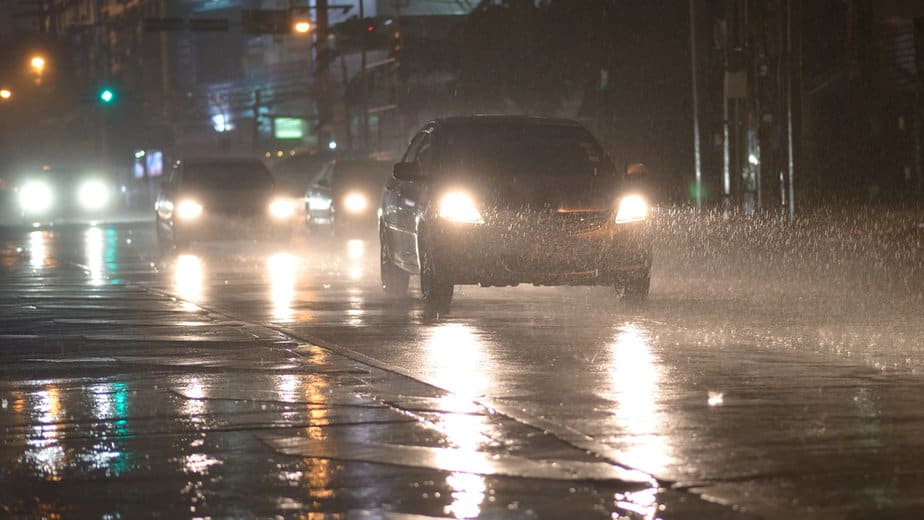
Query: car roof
[{"x": 502, "y": 120}]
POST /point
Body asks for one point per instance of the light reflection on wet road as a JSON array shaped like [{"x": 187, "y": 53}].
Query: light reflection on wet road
[
  {"x": 701, "y": 391},
  {"x": 783, "y": 406}
]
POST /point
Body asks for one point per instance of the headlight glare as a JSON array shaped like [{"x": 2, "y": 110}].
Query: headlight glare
[
  {"x": 189, "y": 210},
  {"x": 632, "y": 208},
  {"x": 93, "y": 194},
  {"x": 319, "y": 203},
  {"x": 281, "y": 208},
  {"x": 35, "y": 197},
  {"x": 459, "y": 207},
  {"x": 355, "y": 202}
]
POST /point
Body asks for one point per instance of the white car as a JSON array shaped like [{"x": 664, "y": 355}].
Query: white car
[{"x": 49, "y": 196}]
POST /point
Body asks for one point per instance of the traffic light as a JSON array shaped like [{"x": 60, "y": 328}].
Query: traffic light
[
  {"x": 358, "y": 33},
  {"x": 107, "y": 95}
]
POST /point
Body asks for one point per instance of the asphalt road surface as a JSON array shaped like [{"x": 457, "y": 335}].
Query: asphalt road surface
[{"x": 242, "y": 379}]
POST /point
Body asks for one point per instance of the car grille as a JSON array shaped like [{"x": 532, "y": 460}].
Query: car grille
[
  {"x": 526, "y": 225},
  {"x": 238, "y": 210}
]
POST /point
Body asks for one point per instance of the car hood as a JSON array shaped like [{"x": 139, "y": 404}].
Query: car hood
[
  {"x": 559, "y": 192},
  {"x": 229, "y": 199}
]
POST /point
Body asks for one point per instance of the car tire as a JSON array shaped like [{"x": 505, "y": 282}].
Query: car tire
[
  {"x": 394, "y": 280},
  {"x": 634, "y": 289},
  {"x": 435, "y": 287}
]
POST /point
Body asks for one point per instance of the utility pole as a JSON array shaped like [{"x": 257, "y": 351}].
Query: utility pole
[
  {"x": 345, "y": 79},
  {"x": 399, "y": 91},
  {"x": 696, "y": 144},
  {"x": 323, "y": 61},
  {"x": 102, "y": 72},
  {"x": 919, "y": 109},
  {"x": 364, "y": 101},
  {"x": 793, "y": 93},
  {"x": 166, "y": 81},
  {"x": 726, "y": 134},
  {"x": 255, "y": 135}
]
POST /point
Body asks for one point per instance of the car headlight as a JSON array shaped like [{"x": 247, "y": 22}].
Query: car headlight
[
  {"x": 189, "y": 210},
  {"x": 35, "y": 197},
  {"x": 632, "y": 208},
  {"x": 281, "y": 208},
  {"x": 93, "y": 194},
  {"x": 355, "y": 203},
  {"x": 459, "y": 207}
]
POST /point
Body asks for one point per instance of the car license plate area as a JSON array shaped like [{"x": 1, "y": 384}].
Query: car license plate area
[
  {"x": 551, "y": 242},
  {"x": 556, "y": 253}
]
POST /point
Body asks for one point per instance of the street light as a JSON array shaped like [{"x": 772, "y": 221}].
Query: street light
[
  {"x": 5, "y": 94},
  {"x": 38, "y": 64},
  {"x": 302, "y": 26}
]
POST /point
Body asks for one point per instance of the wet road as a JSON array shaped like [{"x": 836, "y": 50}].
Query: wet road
[{"x": 781, "y": 396}]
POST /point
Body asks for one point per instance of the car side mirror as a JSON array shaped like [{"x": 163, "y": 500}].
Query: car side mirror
[
  {"x": 407, "y": 171},
  {"x": 636, "y": 171}
]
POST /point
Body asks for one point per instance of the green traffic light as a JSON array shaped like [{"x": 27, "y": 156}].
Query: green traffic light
[{"x": 107, "y": 95}]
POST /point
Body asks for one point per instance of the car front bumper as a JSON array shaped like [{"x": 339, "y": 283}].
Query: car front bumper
[
  {"x": 499, "y": 256},
  {"x": 221, "y": 228}
]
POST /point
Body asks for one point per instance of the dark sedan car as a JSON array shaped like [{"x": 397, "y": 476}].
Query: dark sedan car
[
  {"x": 222, "y": 199},
  {"x": 344, "y": 196},
  {"x": 501, "y": 201}
]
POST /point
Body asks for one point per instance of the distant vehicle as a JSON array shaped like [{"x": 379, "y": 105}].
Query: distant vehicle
[
  {"x": 222, "y": 199},
  {"x": 500, "y": 201},
  {"x": 49, "y": 195},
  {"x": 344, "y": 197}
]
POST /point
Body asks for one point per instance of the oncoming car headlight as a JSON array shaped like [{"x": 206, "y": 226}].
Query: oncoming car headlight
[
  {"x": 459, "y": 207},
  {"x": 632, "y": 208},
  {"x": 93, "y": 194},
  {"x": 35, "y": 197},
  {"x": 281, "y": 208},
  {"x": 355, "y": 202},
  {"x": 188, "y": 210}
]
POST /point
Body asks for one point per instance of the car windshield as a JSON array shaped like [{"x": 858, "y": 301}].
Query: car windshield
[
  {"x": 212, "y": 176},
  {"x": 536, "y": 150}
]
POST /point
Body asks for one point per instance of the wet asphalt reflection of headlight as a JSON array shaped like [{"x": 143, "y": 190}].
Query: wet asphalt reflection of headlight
[{"x": 35, "y": 197}]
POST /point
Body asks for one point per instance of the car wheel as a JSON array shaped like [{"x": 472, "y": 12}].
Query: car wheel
[
  {"x": 634, "y": 289},
  {"x": 394, "y": 280},
  {"x": 435, "y": 286}
]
